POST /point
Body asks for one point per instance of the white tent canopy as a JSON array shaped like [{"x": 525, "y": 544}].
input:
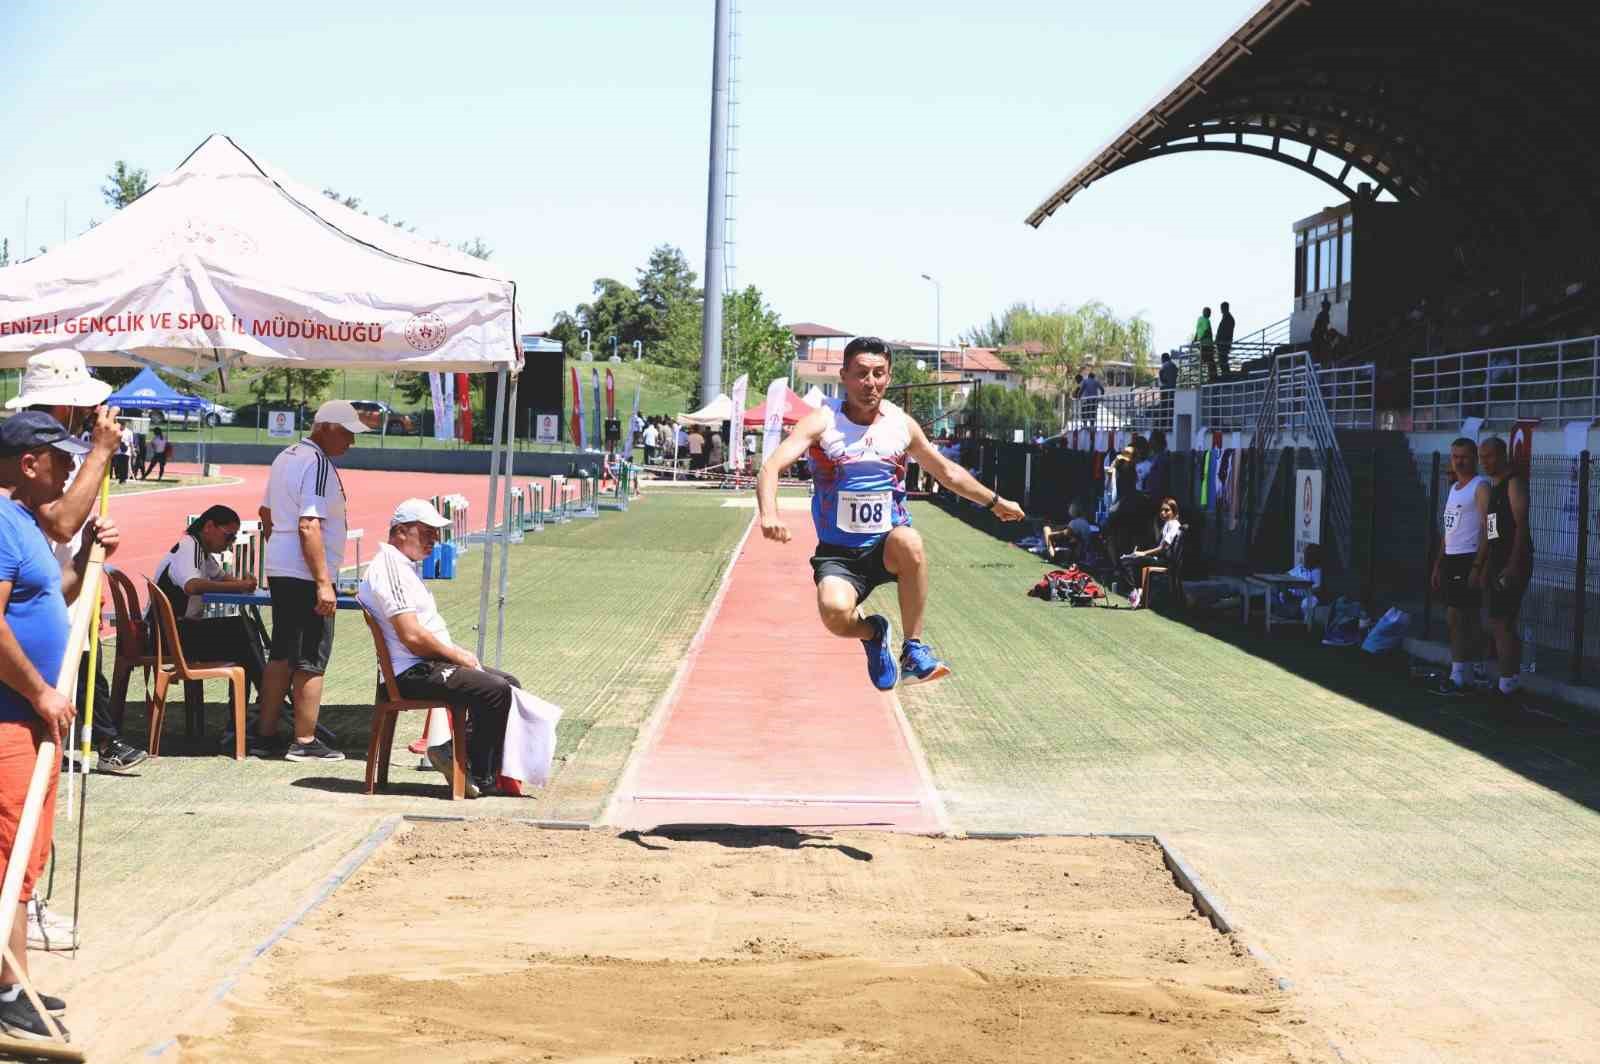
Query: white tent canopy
[
  {"x": 715, "y": 412},
  {"x": 226, "y": 259}
]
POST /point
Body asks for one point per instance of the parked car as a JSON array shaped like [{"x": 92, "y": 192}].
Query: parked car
[
  {"x": 212, "y": 414},
  {"x": 377, "y": 413}
]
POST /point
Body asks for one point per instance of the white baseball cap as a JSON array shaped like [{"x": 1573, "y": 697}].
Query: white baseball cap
[
  {"x": 418, "y": 510},
  {"x": 58, "y": 378},
  {"x": 343, "y": 413}
]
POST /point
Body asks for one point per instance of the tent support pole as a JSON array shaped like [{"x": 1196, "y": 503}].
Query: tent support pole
[
  {"x": 505, "y": 526},
  {"x": 489, "y": 522}
]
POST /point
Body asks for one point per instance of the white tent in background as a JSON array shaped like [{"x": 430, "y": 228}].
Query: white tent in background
[
  {"x": 226, "y": 261},
  {"x": 715, "y": 412},
  {"x": 813, "y": 396}
]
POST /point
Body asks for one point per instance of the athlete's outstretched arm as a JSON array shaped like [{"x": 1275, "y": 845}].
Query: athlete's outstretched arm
[
  {"x": 806, "y": 432},
  {"x": 957, "y": 479}
]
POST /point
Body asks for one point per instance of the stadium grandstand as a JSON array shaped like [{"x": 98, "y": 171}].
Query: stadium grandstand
[{"x": 1455, "y": 138}]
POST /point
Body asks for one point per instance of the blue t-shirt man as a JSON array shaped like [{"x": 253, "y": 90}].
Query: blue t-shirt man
[{"x": 36, "y": 613}]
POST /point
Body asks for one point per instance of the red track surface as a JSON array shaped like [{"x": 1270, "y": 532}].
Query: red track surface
[
  {"x": 151, "y": 522},
  {"x": 774, "y": 721}
]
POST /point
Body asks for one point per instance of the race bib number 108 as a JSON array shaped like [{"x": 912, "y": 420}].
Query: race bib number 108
[{"x": 866, "y": 512}]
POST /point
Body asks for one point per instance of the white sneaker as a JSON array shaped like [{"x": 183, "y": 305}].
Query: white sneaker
[
  {"x": 1133, "y": 598},
  {"x": 50, "y": 931}
]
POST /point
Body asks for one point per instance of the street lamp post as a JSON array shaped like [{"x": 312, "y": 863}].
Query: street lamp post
[
  {"x": 938, "y": 344},
  {"x": 638, "y": 350},
  {"x": 587, "y": 356},
  {"x": 614, "y": 349}
]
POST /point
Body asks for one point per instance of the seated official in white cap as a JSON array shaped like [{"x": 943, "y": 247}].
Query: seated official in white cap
[
  {"x": 303, "y": 518},
  {"x": 426, "y": 663}
]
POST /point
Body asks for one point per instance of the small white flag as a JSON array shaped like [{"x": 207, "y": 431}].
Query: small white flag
[
  {"x": 777, "y": 406},
  {"x": 741, "y": 389}
]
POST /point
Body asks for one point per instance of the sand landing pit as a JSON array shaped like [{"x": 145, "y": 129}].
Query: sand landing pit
[{"x": 502, "y": 942}]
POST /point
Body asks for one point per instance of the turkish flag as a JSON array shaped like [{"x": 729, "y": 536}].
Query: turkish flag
[
  {"x": 463, "y": 408},
  {"x": 1521, "y": 444}
]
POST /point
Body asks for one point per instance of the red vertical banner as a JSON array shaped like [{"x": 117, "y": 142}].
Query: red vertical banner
[
  {"x": 576, "y": 435},
  {"x": 463, "y": 408},
  {"x": 1521, "y": 445}
]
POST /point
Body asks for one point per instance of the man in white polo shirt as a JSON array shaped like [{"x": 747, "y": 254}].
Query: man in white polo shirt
[
  {"x": 426, "y": 663},
  {"x": 304, "y": 519}
]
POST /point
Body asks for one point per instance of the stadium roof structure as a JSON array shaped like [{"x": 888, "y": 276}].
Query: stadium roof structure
[
  {"x": 1487, "y": 105},
  {"x": 814, "y": 331}
]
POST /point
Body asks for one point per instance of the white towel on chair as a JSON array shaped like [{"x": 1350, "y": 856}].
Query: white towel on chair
[{"x": 530, "y": 739}]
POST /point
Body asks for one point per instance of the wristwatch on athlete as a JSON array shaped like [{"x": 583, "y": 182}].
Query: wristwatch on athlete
[{"x": 993, "y": 501}]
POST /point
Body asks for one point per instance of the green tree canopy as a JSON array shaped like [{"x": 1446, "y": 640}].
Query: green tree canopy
[
  {"x": 124, "y": 185},
  {"x": 666, "y": 281}
]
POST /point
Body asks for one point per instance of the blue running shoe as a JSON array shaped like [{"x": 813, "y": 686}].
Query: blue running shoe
[
  {"x": 920, "y": 664},
  {"x": 880, "y": 659}
]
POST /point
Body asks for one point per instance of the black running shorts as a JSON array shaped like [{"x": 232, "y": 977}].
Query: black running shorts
[
  {"x": 861, "y": 567},
  {"x": 299, "y": 635},
  {"x": 1455, "y": 570},
  {"x": 1505, "y": 602}
]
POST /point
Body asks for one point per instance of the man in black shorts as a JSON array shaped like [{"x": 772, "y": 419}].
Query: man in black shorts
[
  {"x": 1506, "y": 556},
  {"x": 1456, "y": 571},
  {"x": 303, "y": 518}
]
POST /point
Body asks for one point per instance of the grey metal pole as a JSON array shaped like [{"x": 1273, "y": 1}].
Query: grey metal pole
[
  {"x": 488, "y": 523},
  {"x": 716, "y": 208},
  {"x": 505, "y": 529},
  {"x": 938, "y": 342}
]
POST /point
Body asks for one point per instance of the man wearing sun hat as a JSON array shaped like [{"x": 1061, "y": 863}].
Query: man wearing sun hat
[
  {"x": 427, "y": 664},
  {"x": 303, "y": 518},
  {"x": 58, "y": 383},
  {"x": 36, "y": 458}
]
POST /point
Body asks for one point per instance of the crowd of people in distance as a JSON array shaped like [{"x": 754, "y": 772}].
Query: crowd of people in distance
[{"x": 135, "y": 456}]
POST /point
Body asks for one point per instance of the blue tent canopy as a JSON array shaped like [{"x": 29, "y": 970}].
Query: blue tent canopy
[{"x": 149, "y": 392}]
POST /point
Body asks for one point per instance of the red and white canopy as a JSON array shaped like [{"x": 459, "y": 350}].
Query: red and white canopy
[{"x": 226, "y": 258}]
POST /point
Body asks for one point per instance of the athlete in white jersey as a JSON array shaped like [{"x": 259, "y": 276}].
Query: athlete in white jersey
[
  {"x": 1457, "y": 570},
  {"x": 858, "y": 447}
]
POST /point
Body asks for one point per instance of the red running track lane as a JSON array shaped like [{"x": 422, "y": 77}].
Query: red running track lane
[
  {"x": 151, "y": 522},
  {"x": 773, "y": 721}
]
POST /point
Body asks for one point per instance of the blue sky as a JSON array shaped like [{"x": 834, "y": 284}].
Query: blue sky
[{"x": 880, "y": 140}]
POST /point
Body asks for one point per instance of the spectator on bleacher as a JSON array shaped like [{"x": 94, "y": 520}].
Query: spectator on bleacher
[
  {"x": 1134, "y": 565},
  {"x": 1168, "y": 378},
  {"x": 1225, "y": 340},
  {"x": 1202, "y": 339},
  {"x": 1456, "y": 570},
  {"x": 193, "y": 567},
  {"x": 427, "y": 663},
  {"x": 1319, "y": 331},
  {"x": 1089, "y": 395},
  {"x": 1506, "y": 555}
]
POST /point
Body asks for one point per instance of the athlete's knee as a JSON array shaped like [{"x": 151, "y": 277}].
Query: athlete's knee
[
  {"x": 837, "y": 610},
  {"x": 905, "y": 548}
]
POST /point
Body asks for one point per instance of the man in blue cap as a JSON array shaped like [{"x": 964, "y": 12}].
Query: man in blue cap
[{"x": 36, "y": 458}]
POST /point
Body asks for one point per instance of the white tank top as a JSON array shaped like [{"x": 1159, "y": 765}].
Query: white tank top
[{"x": 1462, "y": 523}]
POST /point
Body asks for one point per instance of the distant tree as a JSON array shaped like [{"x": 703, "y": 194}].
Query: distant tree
[
  {"x": 757, "y": 343},
  {"x": 124, "y": 185},
  {"x": 476, "y": 248},
  {"x": 666, "y": 281},
  {"x": 615, "y": 311},
  {"x": 312, "y": 384},
  {"x": 344, "y": 201},
  {"x": 5, "y": 253}
]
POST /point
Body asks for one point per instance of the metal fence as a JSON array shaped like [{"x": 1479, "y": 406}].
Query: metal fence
[
  {"x": 1564, "y": 589},
  {"x": 1141, "y": 410},
  {"x": 1553, "y": 381},
  {"x": 1235, "y": 406}
]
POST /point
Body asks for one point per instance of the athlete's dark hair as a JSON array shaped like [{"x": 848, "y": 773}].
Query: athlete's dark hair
[
  {"x": 216, "y": 515},
  {"x": 1464, "y": 441},
  {"x": 1497, "y": 442},
  {"x": 865, "y": 345}
]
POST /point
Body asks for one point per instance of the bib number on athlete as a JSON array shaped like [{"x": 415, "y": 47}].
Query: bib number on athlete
[
  {"x": 1450, "y": 514},
  {"x": 866, "y": 512},
  {"x": 1492, "y": 525}
]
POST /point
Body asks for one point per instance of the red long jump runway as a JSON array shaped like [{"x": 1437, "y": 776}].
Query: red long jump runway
[
  {"x": 773, "y": 721},
  {"x": 151, "y": 522}
]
